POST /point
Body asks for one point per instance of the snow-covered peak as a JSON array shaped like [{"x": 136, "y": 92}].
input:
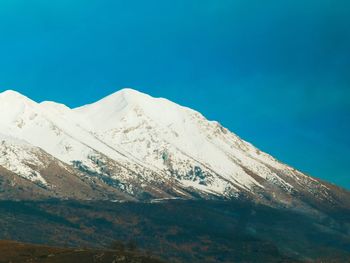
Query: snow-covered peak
[
  {"x": 12, "y": 101},
  {"x": 128, "y": 95},
  {"x": 10, "y": 93},
  {"x": 130, "y": 136},
  {"x": 116, "y": 101},
  {"x": 131, "y": 104},
  {"x": 11, "y": 96},
  {"x": 13, "y": 105}
]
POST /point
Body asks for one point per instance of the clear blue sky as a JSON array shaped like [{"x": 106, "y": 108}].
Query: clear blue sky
[{"x": 277, "y": 73}]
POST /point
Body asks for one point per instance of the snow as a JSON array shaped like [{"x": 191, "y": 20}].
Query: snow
[
  {"x": 15, "y": 155},
  {"x": 145, "y": 134}
]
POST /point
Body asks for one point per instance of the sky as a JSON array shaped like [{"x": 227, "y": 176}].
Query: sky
[{"x": 277, "y": 73}]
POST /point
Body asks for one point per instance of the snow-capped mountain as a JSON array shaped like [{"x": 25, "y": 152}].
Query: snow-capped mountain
[{"x": 131, "y": 146}]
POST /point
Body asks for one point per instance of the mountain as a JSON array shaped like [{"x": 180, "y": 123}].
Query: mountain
[
  {"x": 131, "y": 146},
  {"x": 133, "y": 168}
]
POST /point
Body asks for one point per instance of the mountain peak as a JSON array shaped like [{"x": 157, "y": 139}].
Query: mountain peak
[
  {"x": 127, "y": 95},
  {"x": 11, "y": 94},
  {"x": 12, "y": 99},
  {"x": 117, "y": 100},
  {"x": 131, "y": 104},
  {"x": 130, "y": 92},
  {"x": 142, "y": 146}
]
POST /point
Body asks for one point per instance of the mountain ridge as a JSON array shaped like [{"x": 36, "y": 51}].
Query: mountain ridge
[{"x": 141, "y": 148}]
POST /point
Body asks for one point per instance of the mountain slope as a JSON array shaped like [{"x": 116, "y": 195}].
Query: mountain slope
[{"x": 130, "y": 145}]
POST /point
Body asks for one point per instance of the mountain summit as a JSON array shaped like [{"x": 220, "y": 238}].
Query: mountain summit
[{"x": 131, "y": 146}]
